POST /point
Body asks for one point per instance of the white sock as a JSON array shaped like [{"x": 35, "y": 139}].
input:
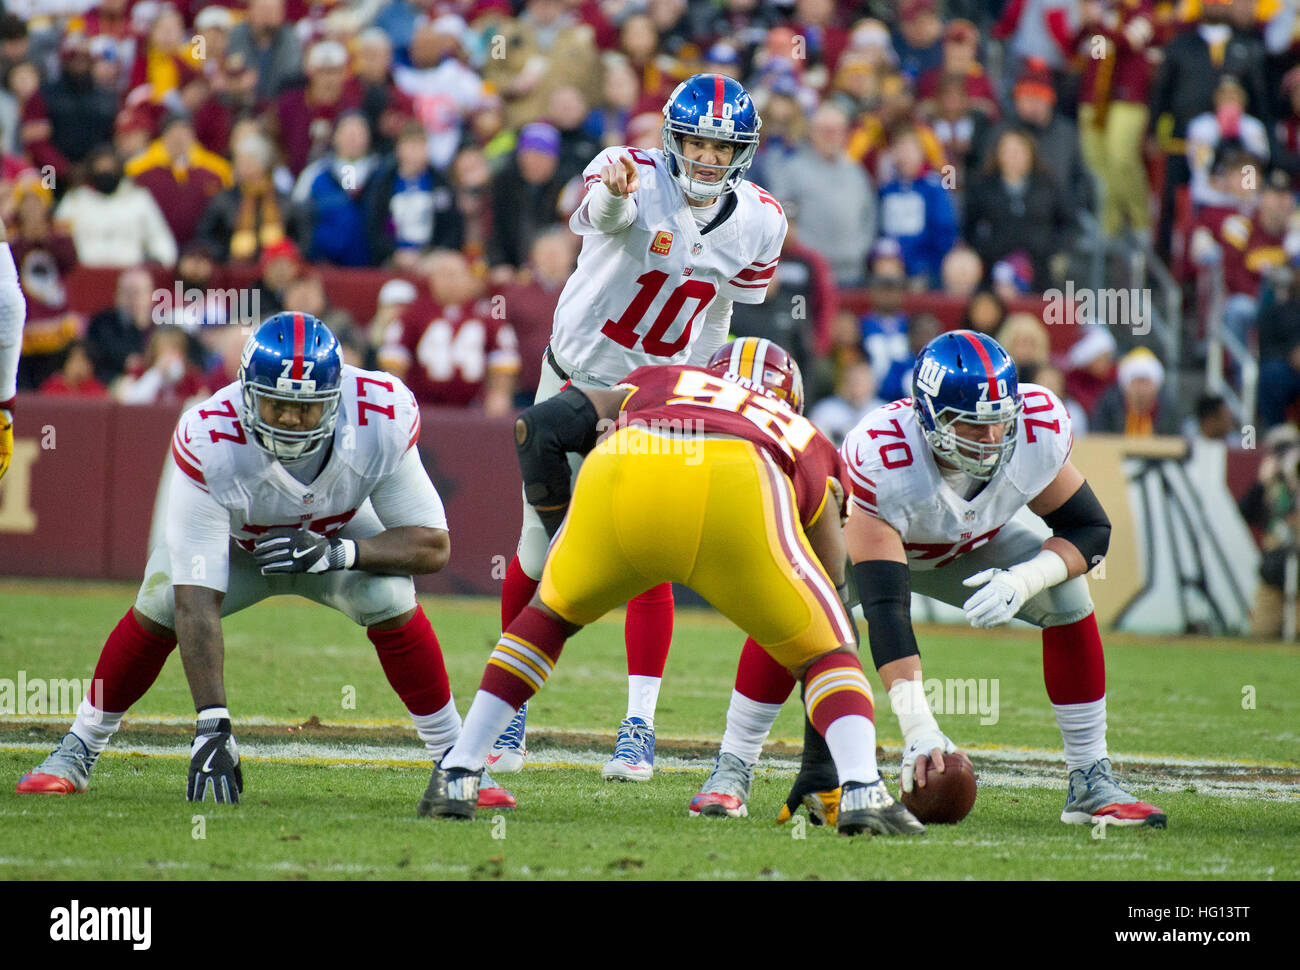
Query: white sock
[
  {"x": 852, "y": 740},
  {"x": 1083, "y": 729},
  {"x": 488, "y": 716},
  {"x": 439, "y": 730},
  {"x": 643, "y": 697},
  {"x": 95, "y": 727},
  {"x": 748, "y": 724}
]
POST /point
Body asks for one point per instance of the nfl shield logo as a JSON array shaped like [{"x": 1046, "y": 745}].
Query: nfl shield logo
[
  {"x": 309, "y": 498},
  {"x": 969, "y": 516},
  {"x": 662, "y": 242},
  {"x": 697, "y": 248}
]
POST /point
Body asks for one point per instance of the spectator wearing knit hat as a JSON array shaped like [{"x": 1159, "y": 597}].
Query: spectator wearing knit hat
[
  {"x": 918, "y": 39},
  {"x": 1140, "y": 404},
  {"x": 525, "y": 199},
  {"x": 1056, "y": 138}
]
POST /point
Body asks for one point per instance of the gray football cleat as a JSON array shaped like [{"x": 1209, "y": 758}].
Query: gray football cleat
[
  {"x": 725, "y": 793},
  {"x": 1095, "y": 796},
  {"x": 870, "y": 808},
  {"x": 65, "y": 771}
]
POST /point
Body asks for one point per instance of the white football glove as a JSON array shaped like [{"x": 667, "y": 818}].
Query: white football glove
[
  {"x": 1002, "y": 592},
  {"x": 922, "y": 744}
]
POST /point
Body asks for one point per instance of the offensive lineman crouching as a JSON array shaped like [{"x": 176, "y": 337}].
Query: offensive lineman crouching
[
  {"x": 751, "y": 522},
  {"x": 936, "y": 480},
  {"x": 303, "y": 478}
]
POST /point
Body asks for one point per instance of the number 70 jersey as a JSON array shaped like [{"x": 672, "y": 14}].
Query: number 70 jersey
[
  {"x": 638, "y": 296},
  {"x": 894, "y": 478}
]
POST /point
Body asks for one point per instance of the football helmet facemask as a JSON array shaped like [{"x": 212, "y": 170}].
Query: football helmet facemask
[
  {"x": 760, "y": 361},
  {"x": 292, "y": 358},
  {"x": 716, "y": 107},
  {"x": 967, "y": 376}
]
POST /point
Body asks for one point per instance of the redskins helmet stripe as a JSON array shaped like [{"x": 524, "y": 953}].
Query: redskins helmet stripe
[{"x": 760, "y": 361}]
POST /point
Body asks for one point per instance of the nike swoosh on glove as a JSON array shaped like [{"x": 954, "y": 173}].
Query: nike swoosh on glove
[
  {"x": 214, "y": 762},
  {"x": 998, "y": 600},
  {"x": 301, "y": 551}
]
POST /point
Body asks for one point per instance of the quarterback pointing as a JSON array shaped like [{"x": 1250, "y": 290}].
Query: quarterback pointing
[
  {"x": 670, "y": 240},
  {"x": 302, "y": 477},
  {"x": 936, "y": 479}
]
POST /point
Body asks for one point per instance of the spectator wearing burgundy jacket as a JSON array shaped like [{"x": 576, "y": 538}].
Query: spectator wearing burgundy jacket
[
  {"x": 182, "y": 176},
  {"x": 304, "y": 118}
]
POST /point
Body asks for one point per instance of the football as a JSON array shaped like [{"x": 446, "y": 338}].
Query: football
[{"x": 948, "y": 796}]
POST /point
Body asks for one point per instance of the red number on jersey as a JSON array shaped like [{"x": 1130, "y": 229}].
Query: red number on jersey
[
  {"x": 387, "y": 410},
  {"x": 898, "y": 447},
  {"x": 1032, "y": 423},
  {"x": 640, "y": 157},
  {"x": 765, "y": 197},
  {"x": 228, "y": 411},
  {"x": 623, "y": 330}
]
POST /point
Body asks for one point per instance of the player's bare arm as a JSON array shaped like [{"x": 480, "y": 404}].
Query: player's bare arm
[
  {"x": 199, "y": 639},
  {"x": 407, "y": 550},
  {"x": 880, "y": 567}
]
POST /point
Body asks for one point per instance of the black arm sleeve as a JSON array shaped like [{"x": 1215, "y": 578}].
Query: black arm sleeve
[
  {"x": 885, "y": 590},
  {"x": 561, "y": 424},
  {"x": 1082, "y": 522}
]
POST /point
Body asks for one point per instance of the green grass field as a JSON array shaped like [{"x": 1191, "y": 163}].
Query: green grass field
[{"x": 1207, "y": 729}]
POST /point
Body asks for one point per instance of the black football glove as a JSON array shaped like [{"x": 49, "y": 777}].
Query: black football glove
[
  {"x": 214, "y": 760},
  {"x": 302, "y": 551}
]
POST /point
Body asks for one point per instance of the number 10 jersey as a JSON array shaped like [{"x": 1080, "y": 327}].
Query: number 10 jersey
[{"x": 639, "y": 295}]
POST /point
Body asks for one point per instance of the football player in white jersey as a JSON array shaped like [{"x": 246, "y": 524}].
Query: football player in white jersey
[
  {"x": 936, "y": 481},
  {"x": 302, "y": 477},
  {"x": 13, "y": 314},
  {"x": 670, "y": 239}
]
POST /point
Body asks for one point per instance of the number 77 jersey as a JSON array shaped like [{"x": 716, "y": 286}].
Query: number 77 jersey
[
  {"x": 639, "y": 295},
  {"x": 894, "y": 478}
]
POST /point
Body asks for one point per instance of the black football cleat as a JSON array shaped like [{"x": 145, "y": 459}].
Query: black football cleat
[
  {"x": 870, "y": 808},
  {"x": 452, "y": 793}
]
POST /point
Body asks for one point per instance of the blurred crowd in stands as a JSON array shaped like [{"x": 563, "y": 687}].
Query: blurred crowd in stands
[{"x": 957, "y": 148}]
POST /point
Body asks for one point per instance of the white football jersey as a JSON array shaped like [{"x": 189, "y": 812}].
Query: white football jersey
[
  {"x": 638, "y": 296},
  {"x": 895, "y": 477},
  {"x": 378, "y": 421}
]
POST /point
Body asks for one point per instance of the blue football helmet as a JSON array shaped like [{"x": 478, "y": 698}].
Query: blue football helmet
[
  {"x": 291, "y": 358},
  {"x": 967, "y": 376},
  {"x": 717, "y": 107}
]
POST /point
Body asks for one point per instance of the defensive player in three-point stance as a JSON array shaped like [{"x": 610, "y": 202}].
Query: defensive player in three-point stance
[
  {"x": 711, "y": 480},
  {"x": 936, "y": 479},
  {"x": 669, "y": 240},
  {"x": 13, "y": 314},
  {"x": 301, "y": 477}
]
